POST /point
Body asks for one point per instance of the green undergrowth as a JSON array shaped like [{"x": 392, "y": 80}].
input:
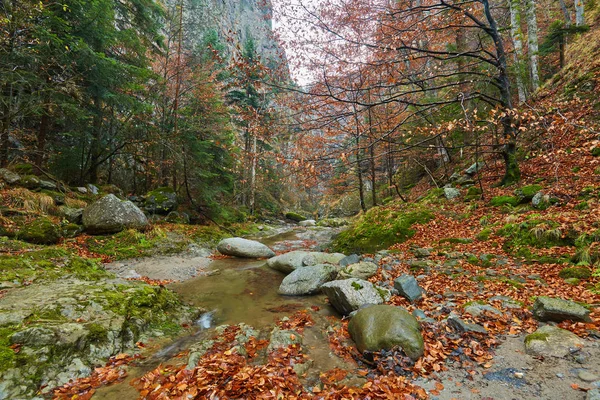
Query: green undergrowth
[
  {"x": 379, "y": 228},
  {"x": 132, "y": 243}
]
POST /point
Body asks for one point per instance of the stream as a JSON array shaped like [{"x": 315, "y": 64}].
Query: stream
[{"x": 234, "y": 291}]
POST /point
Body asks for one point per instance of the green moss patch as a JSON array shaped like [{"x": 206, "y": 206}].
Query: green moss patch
[
  {"x": 294, "y": 216},
  {"x": 40, "y": 231},
  {"x": 379, "y": 228},
  {"x": 504, "y": 200},
  {"x": 575, "y": 272}
]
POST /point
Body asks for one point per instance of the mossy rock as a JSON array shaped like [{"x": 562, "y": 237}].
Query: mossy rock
[
  {"x": 40, "y": 231},
  {"x": 596, "y": 151},
  {"x": 71, "y": 230},
  {"x": 526, "y": 193},
  {"x": 295, "y": 216},
  {"x": 161, "y": 201},
  {"x": 30, "y": 182},
  {"x": 504, "y": 200},
  {"x": 575, "y": 272}
]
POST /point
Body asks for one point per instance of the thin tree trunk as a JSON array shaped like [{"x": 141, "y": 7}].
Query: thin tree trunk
[
  {"x": 532, "y": 35},
  {"x": 5, "y": 126},
  {"x": 373, "y": 175},
  {"x": 42, "y": 138},
  {"x": 96, "y": 143},
  {"x": 517, "y": 38},
  {"x": 579, "y": 13},
  {"x": 566, "y": 13},
  {"x": 253, "y": 175}
]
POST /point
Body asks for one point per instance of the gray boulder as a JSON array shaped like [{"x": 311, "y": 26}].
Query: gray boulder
[
  {"x": 93, "y": 189},
  {"x": 161, "y": 201},
  {"x": 239, "y": 247},
  {"x": 360, "y": 270},
  {"x": 461, "y": 326},
  {"x": 550, "y": 341},
  {"x": 407, "y": 287},
  {"x": 474, "y": 168},
  {"x": 73, "y": 215},
  {"x": 451, "y": 193},
  {"x": 9, "y": 176},
  {"x": 558, "y": 310},
  {"x": 315, "y": 257},
  {"x": 288, "y": 262},
  {"x": 308, "y": 222},
  {"x": 351, "y": 294},
  {"x": 383, "y": 327},
  {"x": 48, "y": 185},
  {"x": 351, "y": 259},
  {"x": 111, "y": 215},
  {"x": 307, "y": 280}
]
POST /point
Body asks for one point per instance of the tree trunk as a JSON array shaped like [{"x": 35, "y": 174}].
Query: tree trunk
[
  {"x": 565, "y": 12},
  {"x": 42, "y": 138},
  {"x": 517, "y": 38},
  {"x": 512, "y": 172},
  {"x": 373, "y": 175},
  {"x": 253, "y": 176},
  {"x": 579, "y": 13},
  {"x": 95, "y": 147},
  {"x": 532, "y": 34},
  {"x": 5, "y": 126}
]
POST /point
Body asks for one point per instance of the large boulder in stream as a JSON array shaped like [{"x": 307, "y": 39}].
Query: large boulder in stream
[
  {"x": 307, "y": 280},
  {"x": 112, "y": 215},
  {"x": 293, "y": 260},
  {"x": 351, "y": 294},
  {"x": 244, "y": 248},
  {"x": 383, "y": 327}
]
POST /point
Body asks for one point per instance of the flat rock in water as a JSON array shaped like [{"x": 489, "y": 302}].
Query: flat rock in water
[
  {"x": 360, "y": 270},
  {"x": 288, "y": 262},
  {"x": 407, "y": 286},
  {"x": 550, "y": 341},
  {"x": 351, "y": 294},
  {"x": 307, "y": 280},
  {"x": 558, "y": 310},
  {"x": 383, "y": 327},
  {"x": 244, "y": 248},
  {"x": 112, "y": 215}
]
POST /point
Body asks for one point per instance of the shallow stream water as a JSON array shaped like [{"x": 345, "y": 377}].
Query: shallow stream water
[{"x": 236, "y": 291}]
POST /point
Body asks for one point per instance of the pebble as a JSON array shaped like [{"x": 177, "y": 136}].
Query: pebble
[
  {"x": 519, "y": 375},
  {"x": 587, "y": 376},
  {"x": 559, "y": 375}
]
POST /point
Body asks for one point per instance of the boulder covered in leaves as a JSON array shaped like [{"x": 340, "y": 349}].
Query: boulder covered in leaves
[
  {"x": 349, "y": 295},
  {"x": 307, "y": 280},
  {"x": 558, "y": 310},
  {"x": 161, "y": 201},
  {"x": 244, "y": 248},
  {"x": 40, "y": 231},
  {"x": 111, "y": 215},
  {"x": 383, "y": 327}
]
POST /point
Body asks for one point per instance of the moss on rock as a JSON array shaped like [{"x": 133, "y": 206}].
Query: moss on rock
[
  {"x": 503, "y": 200},
  {"x": 40, "y": 231},
  {"x": 294, "y": 216},
  {"x": 379, "y": 228},
  {"x": 575, "y": 272}
]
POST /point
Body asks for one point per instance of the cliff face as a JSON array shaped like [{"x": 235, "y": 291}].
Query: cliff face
[{"x": 234, "y": 21}]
